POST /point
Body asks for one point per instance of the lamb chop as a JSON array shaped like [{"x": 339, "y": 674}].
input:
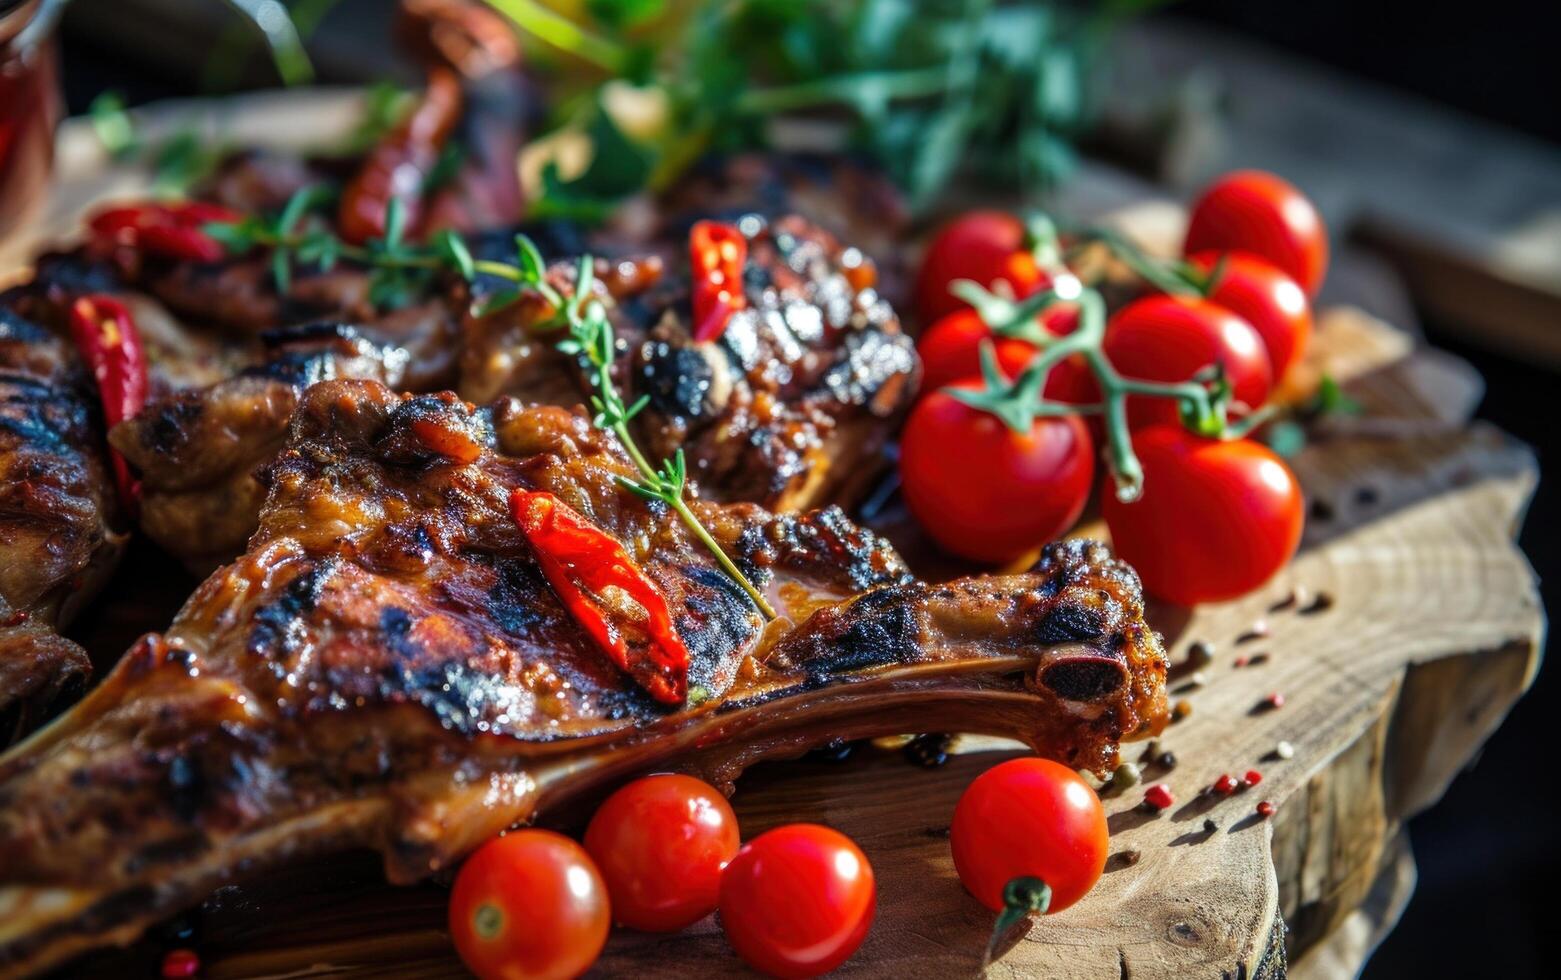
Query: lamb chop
[
  {"x": 388, "y": 666},
  {"x": 198, "y": 450},
  {"x": 790, "y": 407},
  {"x": 58, "y": 514}
]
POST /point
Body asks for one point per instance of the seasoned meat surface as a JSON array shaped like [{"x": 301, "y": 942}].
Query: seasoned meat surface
[
  {"x": 198, "y": 450},
  {"x": 386, "y": 666},
  {"x": 56, "y": 509},
  {"x": 790, "y": 407}
]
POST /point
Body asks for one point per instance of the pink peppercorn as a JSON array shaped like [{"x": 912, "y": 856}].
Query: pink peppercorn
[
  {"x": 1225, "y": 785},
  {"x": 180, "y": 963},
  {"x": 1265, "y": 809},
  {"x": 1275, "y": 700},
  {"x": 1159, "y": 796},
  {"x": 1252, "y": 778}
]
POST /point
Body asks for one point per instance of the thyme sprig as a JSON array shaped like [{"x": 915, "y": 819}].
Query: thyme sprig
[{"x": 401, "y": 268}]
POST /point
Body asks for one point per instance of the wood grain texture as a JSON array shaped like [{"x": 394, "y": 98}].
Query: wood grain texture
[{"x": 1431, "y": 631}]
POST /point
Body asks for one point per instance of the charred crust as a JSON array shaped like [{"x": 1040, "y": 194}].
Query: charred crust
[
  {"x": 1070, "y": 621},
  {"x": 676, "y": 379}
]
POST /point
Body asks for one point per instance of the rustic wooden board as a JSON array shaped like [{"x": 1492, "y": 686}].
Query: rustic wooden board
[{"x": 1432, "y": 629}]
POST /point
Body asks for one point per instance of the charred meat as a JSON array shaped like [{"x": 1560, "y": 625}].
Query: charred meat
[
  {"x": 387, "y": 666},
  {"x": 198, "y": 450},
  {"x": 57, "y": 509},
  {"x": 789, "y": 407}
]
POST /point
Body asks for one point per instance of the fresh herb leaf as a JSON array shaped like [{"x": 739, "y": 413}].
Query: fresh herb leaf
[
  {"x": 112, "y": 125},
  {"x": 453, "y": 247}
]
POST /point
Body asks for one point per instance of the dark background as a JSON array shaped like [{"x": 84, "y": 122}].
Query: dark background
[{"x": 1488, "y": 855}]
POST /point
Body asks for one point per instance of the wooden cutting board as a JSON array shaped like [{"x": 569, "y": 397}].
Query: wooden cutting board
[{"x": 1419, "y": 627}]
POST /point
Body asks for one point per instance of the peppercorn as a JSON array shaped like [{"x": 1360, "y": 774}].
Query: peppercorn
[
  {"x": 1128, "y": 858},
  {"x": 929, "y": 750},
  {"x": 1272, "y": 702},
  {"x": 1284, "y": 750},
  {"x": 1198, "y": 678},
  {"x": 1158, "y": 797},
  {"x": 1209, "y": 826},
  {"x": 1200, "y": 654},
  {"x": 835, "y": 750},
  {"x": 1151, "y": 751},
  {"x": 1252, "y": 778},
  {"x": 1181, "y": 709},
  {"x": 1265, "y": 809},
  {"x": 1166, "y": 760},
  {"x": 1322, "y": 603},
  {"x": 1240, "y": 661},
  {"x": 181, "y": 963},
  {"x": 1126, "y": 775},
  {"x": 1225, "y": 785}
]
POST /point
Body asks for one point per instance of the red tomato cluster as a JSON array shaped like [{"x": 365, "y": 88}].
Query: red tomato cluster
[
  {"x": 660, "y": 854},
  {"x": 1216, "y": 518}
]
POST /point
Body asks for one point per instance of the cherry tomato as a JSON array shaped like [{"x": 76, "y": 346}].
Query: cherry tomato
[
  {"x": 1171, "y": 338},
  {"x": 529, "y": 905},
  {"x": 1216, "y": 519},
  {"x": 950, "y": 349},
  {"x": 982, "y": 246},
  {"x": 1029, "y": 818},
  {"x": 661, "y": 843},
  {"x": 1272, "y": 302},
  {"x": 985, "y": 492},
  {"x": 798, "y": 900},
  {"x": 1257, "y": 212}
]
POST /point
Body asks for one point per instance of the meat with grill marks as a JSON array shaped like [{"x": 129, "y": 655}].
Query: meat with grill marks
[
  {"x": 57, "y": 518},
  {"x": 199, "y": 450},
  {"x": 388, "y": 667},
  {"x": 791, "y": 407}
]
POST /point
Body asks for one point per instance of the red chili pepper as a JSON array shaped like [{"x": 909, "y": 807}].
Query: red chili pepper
[
  {"x": 585, "y": 565},
  {"x": 174, "y": 231},
  {"x": 107, "y": 338},
  {"x": 400, "y": 164},
  {"x": 718, "y": 253}
]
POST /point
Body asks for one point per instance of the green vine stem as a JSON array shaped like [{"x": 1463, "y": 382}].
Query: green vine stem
[
  {"x": 589, "y": 331},
  {"x": 1203, "y": 399}
]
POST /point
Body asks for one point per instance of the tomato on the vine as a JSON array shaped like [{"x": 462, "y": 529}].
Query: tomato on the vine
[
  {"x": 984, "y": 491},
  {"x": 798, "y": 900},
  {"x": 1029, "y": 819},
  {"x": 950, "y": 349},
  {"x": 1260, "y": 293},
  {"x": 1216, "y": 519},
  {"x": 529, "y": 905},
  {"x": 1170, "y": 338},
  {"x": 985, "y": 247},
  {"x": 1257, "y": 212},
  {"x": 661, "y": 843}
]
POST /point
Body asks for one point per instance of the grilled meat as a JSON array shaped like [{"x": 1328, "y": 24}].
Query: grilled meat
[
  {"x": 853, "y": 201},
  {"x": 791, "y": 407},
  {"x": 198, "y": 450},
  {"x": 57, "y": 507},
  {"x": 388, "y": 667}
]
